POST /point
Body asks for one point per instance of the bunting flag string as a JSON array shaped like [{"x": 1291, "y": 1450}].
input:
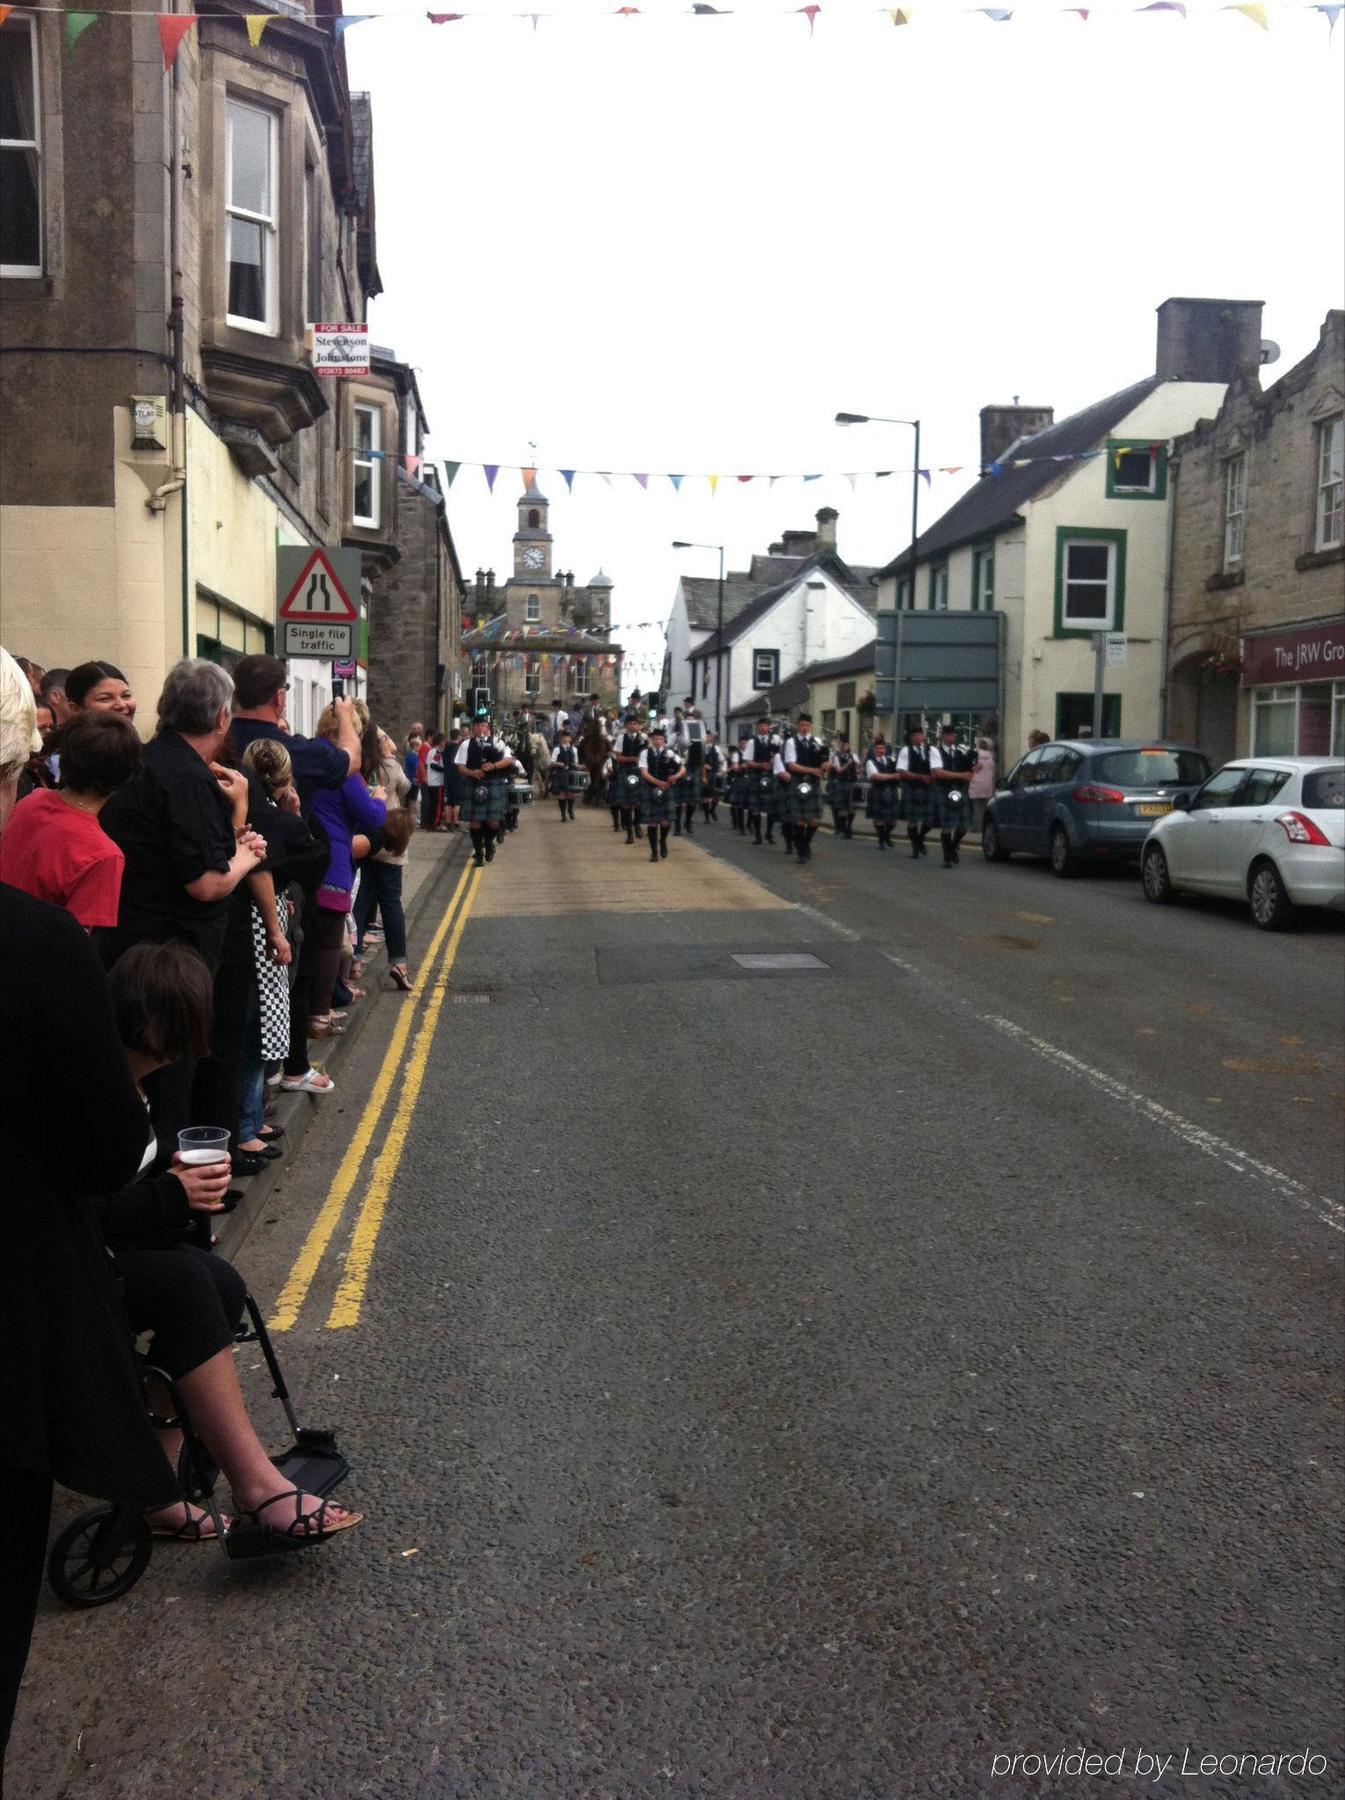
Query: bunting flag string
[{"x": 173, "y": 27}]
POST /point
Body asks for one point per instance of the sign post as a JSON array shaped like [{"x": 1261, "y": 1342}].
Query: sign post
[{"x": 317, "y": 601}]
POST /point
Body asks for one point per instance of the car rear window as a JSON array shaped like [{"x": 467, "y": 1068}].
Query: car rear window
[
  {"x": 1324, "y": 790},
  {"x": 1151, "y": 768}
]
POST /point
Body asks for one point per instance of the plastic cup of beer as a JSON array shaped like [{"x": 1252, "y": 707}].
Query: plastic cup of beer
[{"x": 201, "y": 1144}]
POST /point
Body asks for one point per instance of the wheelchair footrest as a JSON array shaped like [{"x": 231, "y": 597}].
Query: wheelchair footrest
[
  {"x": 242, "y": 1543},
  {"x": 313, "y": 1463}
]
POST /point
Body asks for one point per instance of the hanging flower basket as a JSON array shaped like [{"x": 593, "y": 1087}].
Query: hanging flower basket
[
  {"x": 1221, "y": 665},
  {"x": 867, "y": 702}
]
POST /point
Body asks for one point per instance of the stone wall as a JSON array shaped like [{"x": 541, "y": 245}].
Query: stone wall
[{"x": 405, "y": 610}]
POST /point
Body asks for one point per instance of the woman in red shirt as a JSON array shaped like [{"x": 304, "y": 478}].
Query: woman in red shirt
[{"x": 55, "y": 849}]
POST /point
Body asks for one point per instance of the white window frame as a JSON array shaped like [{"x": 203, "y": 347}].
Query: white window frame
[
  {"x": 1135, "y": 487},
  {"x": 983, "y": 566},
  {"x": 532, "y": 673},
  {"x": 773, "y": 669},
  {"x": 480, "y": 672},
  {"x": 1330, "y": 513},
  {"x": 15, "y": 23},
  {"x": 1106, "y": 623},
  {"x": 1235, "y": 511},
  {"x": 367, "y": 457},
  {"x": 581, "y": 672},
  {"x": 532, "y": 609},
  {"x": 270, "y": 325}
]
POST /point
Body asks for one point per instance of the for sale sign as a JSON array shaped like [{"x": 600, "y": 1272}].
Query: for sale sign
[{"x": 340, "y": 349}]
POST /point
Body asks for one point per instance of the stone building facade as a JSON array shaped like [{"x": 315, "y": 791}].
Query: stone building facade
[
  {"x": 539, "y": 637},
  {"x": 1256, "y": 639},
  {"x": 164, "y": 429}
]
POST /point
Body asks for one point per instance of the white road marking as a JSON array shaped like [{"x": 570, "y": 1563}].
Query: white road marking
[{"x": 1329, "y": 1212}]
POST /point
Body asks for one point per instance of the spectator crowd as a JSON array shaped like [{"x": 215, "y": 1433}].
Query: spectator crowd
[{"x": 180, "y": 918}]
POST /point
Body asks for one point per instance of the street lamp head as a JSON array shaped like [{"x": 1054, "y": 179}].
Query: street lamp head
[
  {"x": 852, "y": 418},
  {"x": 678, "y": 544}
]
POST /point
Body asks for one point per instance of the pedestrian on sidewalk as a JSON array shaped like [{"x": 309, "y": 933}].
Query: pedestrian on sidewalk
[
  {"x": 453, "y": 782},
  {"x": 660, "y": 771},
  {"x": 382, "y": 874},
  {"x": 982, "y": 784}
]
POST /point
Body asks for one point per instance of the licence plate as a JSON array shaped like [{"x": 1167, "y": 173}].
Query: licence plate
[{"x": 1155, "y": 811}]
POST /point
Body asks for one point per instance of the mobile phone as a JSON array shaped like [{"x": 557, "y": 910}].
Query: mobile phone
[{"x": 338, "y": 688}]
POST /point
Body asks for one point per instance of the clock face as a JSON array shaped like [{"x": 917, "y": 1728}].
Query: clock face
[{"x": 533, "y": 558}]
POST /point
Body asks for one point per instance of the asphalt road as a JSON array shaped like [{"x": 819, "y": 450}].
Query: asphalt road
[{"x": 827, "y": 1382}]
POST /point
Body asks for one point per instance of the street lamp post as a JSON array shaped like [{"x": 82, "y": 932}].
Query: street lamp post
[
  {"x": 680, "y": 544},
  {"x": 847, "y": 418}
]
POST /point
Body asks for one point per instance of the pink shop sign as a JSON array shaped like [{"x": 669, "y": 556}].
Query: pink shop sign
[{"x": 1311, "y": 653}]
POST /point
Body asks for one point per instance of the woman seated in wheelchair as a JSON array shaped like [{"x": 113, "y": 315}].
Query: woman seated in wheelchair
[{"x": 190, "y": 1300}]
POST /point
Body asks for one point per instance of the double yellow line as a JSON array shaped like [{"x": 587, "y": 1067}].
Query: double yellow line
[{"x": 345, "y": 1309}]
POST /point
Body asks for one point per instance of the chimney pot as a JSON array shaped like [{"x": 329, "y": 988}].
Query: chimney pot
[{"x": 826, "y": 528}]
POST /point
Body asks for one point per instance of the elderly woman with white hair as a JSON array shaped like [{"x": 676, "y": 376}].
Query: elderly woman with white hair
[{"x": 72, "y": 1125}]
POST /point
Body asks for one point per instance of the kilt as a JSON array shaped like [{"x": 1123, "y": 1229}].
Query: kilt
[
  {"x": 761, "y": 794},
  {"x": 800, "y": 805},
  {"x": 625, "y": 788},
  {"x": 487, "y": 800},
  {"x": 658, "y": 802},
  {"x": 689, "y": 788},
  {"x": 954, "y": 814},
  {"x": 919, "y": 804},
  {"x": 841, "y": 795},
  {"x": 737, "y": 787},
  {"x": 882, "y": 804}
]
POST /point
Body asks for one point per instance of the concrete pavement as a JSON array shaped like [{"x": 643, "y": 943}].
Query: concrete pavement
[{"x": 820, "y": 1379}]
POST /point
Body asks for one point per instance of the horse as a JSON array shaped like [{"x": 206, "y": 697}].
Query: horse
[{"x": 594, "y": 748}]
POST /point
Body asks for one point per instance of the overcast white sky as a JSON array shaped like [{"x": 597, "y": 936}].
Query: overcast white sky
[{"x": 683, "y": 243}]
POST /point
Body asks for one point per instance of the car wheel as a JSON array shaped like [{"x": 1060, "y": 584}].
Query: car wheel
[
  {"x": 1154, "y": 875},
  {"x": 1272, "y": 909},
  {"x": 991, "y": 848},
  {"x": 1063, "y": 860}
]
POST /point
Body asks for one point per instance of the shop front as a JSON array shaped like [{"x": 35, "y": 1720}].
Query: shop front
[{"x": 1295, "y": 685}]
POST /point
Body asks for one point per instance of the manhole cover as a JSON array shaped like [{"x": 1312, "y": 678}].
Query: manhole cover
[{"x": 778, "y": 961}]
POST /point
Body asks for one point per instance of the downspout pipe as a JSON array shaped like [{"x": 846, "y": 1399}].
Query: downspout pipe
[
  {"x": 177, "y": 337},
  {"x": 1174, "y": 472}
]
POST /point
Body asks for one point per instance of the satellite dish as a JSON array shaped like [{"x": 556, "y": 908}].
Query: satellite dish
[{"x": 1270, "y": 351}]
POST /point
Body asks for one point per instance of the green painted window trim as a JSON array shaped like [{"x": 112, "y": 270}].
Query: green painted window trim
[
  {"x": 1160, "y": 487},
  {"x": 937, "y": 570},
  {"x": 904, "y": 602},
  {"x": 1066, "y": 534},
  {"x": 981, "y": 554}
]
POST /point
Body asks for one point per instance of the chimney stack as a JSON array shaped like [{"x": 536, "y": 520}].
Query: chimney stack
[
  {"x": 1004, "y": 425},
  {"x": 826, "y": 529},
  {"x": 800, "y": 543},
  {"x": 1208, "y": 340}
]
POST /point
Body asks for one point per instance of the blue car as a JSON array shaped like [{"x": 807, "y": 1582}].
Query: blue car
[{"x": 1086, "y": 799}]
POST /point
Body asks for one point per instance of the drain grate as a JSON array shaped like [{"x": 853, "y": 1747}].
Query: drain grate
[
  {"x": 779, "y": 961},
  {"x": 470, "y": 999}
]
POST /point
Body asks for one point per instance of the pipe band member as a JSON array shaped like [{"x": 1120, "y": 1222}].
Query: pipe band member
[
  {"x": 485, "y": 765},
  {"x": 881, "y": 770},
  {"x": 759, "y": 762},
  {"x": 738, "y": 781},
  {"x": 564, "y": 769},
  {"x": 918, "y": 764},
  {"x": 843, "y": 773},
  {"x": 689, "y": 746},
  {"x": 958, "y": 763},
  {"x": 713, "y": 779},
  {"x": 660, "y": 771},
  {"x": 625, "y": 790},
  {"x": 805, "y": 759}
]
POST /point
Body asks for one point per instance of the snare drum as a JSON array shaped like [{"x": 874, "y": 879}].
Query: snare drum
[{"x": 568, "y": 781}]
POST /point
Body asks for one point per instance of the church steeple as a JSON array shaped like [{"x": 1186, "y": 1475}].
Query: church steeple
[{"x": 532, "y": 540}]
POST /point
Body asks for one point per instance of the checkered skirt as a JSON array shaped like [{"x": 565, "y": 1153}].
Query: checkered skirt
[
  {"x": 882, "y": 804},
  {"x": 761, "y": 793},
  {"x": 658, "y": 803},
  {"x": 689, "y": 788},
  {"x": 954, "y": 814},
  {"x": 802, "y": 799},
  {"x": 919, "y": 803},
  {"x": 841, "y": 795},
  {"x": 625, "y": 788},
  {"x": 273, "y": 990},
  {"x": 487, "y": 800}
]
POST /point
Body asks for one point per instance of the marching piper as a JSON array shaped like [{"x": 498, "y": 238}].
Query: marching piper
[
  {"x": 713, "y": 787},
  {"x": 957, "y": 765},
  {"x": 881, "y": 770},
  {"x": 918, "y": 764},
  {"x": 625, "y": 791},
  {"x": 688, "y": 745},
  {"x": 486, "y": 766},
  {"x": 759, "y": 761},
  {"x": 564, "y": 769},
  {"x": 738, "y": 784},
  {"x": 843, "y": 774},
  {"x": 660, "y": 771},
  {"x": 805, "y": 759}
]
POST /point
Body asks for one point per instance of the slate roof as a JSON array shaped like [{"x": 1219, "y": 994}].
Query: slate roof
[
  {"x": 701, "y": 593},
  {"x": 992, "y": 505},
  {"x": 858, "y": 587}
]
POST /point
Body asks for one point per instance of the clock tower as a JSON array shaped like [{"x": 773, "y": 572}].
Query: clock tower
[{"x": 532, "y": 540}]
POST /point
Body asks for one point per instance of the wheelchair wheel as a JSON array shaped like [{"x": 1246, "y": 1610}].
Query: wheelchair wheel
[{"x": 85, "y": 1572}]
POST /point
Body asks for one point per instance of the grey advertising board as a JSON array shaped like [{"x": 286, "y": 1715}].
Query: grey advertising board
[{"x": 940, "y": 662}]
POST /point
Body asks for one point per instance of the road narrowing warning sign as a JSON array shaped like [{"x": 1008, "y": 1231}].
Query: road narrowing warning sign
[{"x": 317, "y": 600}]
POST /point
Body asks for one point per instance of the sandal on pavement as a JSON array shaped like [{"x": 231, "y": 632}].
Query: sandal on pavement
[
  {"x": 312, "y": 1081},
  {"x": 357, "y": 968},
  {"x": 400, "y": 977},
  {"x": 324, "y": 1028},
  {"x": 305, "y": 1527},
  {"x": 197, "y": 1526}
]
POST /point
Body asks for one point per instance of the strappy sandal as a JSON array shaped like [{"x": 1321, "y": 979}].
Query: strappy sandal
[
  {"x": 192, "y": 1530},
  {"x": 399, "y": 976},
  {"x": 303, "y": 1528}
]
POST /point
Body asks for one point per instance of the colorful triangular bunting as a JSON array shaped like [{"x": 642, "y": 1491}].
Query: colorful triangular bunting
[
  {"x": 492, "y": 470},
  {"x": 256, "y": 24},
  {"x": 677, "y": 481},
  {"x": 342, "y": 26},
  {"x": 569, "y": 480},
  {"x": 450, "y": 470},
  {"x": 810, "y": 13},
  {"x": 643, "y": 480}
]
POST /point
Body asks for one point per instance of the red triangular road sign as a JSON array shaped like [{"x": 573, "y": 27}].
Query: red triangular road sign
[{"x": 318, "y": 594}]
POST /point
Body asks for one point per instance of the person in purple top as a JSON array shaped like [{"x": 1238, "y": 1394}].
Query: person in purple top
[{"x": 351, "y": 816}]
